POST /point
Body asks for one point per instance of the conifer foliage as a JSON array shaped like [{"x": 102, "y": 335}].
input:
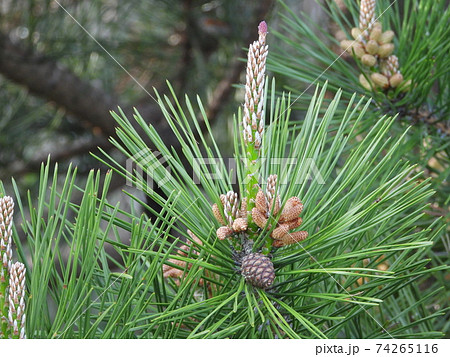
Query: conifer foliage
[{"x": 316, "y": 231}]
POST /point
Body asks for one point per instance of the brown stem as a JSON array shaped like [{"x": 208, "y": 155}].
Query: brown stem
[
  {"x": 48, "y": 79},
  {"x": 79, "y": 147}
]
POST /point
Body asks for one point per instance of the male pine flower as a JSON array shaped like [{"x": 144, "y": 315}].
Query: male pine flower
[{"x": 374, "y": 49}]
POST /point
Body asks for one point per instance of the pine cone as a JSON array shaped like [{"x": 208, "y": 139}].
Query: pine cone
[{"x": 258, "y": 270}]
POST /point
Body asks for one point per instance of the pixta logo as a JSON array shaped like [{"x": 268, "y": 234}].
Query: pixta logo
[
  {"x": 147, "y": 168},
  {"x": 212, "y": 169}
]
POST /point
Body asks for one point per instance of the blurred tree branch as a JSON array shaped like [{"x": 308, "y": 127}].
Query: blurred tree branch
[
  {"x": 89, "y": 104},
  {"x": 76, "y": 148},
  {"x": 49, "y": 80}
]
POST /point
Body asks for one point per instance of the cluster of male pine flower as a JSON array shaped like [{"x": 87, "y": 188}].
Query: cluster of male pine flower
[
  {"x": 374, "y": 49},
  {"x": 270, "y": 216},
  {"x": 12, "y": 278},
  {"x": 267, "y": 214}
]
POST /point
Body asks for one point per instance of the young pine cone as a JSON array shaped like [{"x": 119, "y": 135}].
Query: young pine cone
[{"x": 258, "y": 270}]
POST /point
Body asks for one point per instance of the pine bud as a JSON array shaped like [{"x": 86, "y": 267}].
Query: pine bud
[
  {"x": 224, "y": 232},
  {"x": 6, "y": 216},
  {"x": 294, "y": 223},
  {"x": 231, "y": 206},
  {"x": 377, "y": 24},
  {"x": 258, "y": 270},
  {"x": 366, "y": 14},
  {"x": 340, "y": 35},
  {"x": 356, "y": 33},
  {"x": 392, "y": 64},
  {"x": 253, "y": 118},
  {"x": 346, "y": 45},
  {"x": 396, "y": 80},
  {"x": 386, "y": 37},
  {"x": 16, "y": 301},
  {"x": 384, "y": 69},
  {"x": 177, "y": 272},
  {"x": 271, "y": 186},
  {"x": 380, "y": 80},
  {"x": 172, "y": 272},
  {"x": 364, "y": 82},
  {"x": 368, "y": 60},
  {"x": 243, "y": 210},
  {"x": 174, "y": 261},
  {"x": 351, "y": 46},
  {"x": 385, "y": 50},
  {"x": 278, "y": 244},
  {"x": 372, "y": 47},
  {"x": 194, "y": 238},
  {"x": 183, "y": 250}
]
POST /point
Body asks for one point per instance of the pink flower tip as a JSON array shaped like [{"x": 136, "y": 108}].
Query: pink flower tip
[{"x": 262, "y": 28}]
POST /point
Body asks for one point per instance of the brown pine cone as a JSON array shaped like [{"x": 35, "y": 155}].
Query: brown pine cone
[{"x": 258, "y": 270}]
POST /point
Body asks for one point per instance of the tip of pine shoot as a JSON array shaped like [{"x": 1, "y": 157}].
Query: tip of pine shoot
[{"x": 262, "y": 28}]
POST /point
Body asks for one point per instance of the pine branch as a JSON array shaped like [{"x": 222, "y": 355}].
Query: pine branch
[
  {"x": 47, "y": 79},
  {"x": 79, "y": 147},
  {"x": 53, "y": 82}
]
